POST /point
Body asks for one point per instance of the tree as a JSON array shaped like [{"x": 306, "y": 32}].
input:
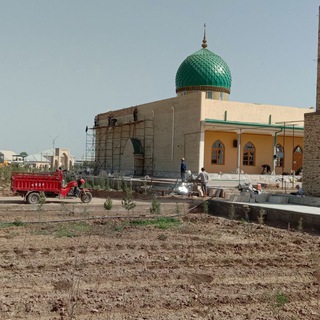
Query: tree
[
  {"x": 155, "y": 205},
  {"x": 127, "y": 202}
]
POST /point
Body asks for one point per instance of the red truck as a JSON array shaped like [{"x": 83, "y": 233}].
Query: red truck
[{"x": 30, "y": 185}]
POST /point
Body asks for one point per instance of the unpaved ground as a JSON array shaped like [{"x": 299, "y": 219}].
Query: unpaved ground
[{"x": 199, "y": 267}]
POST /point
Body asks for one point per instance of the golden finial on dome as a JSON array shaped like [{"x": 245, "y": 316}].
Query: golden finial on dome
[{"x": 204, "y": 41}]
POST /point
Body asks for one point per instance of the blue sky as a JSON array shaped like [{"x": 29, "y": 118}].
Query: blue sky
[{"x": 64, "y": 61}]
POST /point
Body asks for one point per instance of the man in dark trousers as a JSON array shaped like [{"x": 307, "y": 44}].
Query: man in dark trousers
[
  {"x": 203, "y": 177},
  {"x": 183, "y": 168}
]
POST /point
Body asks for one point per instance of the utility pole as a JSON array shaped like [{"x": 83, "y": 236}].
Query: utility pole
[{"x": 53, "y": 150}]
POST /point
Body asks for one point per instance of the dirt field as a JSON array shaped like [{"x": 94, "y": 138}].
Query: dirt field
[{"x": 191, "y": 266}]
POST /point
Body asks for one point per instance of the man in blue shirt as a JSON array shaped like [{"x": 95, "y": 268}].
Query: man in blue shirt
[
  {"x": 183, "y": 168},
  {"x": 299, "y": 192}
]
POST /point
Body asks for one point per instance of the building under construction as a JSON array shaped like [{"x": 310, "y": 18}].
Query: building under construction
[{"x": 201, "y": 125}]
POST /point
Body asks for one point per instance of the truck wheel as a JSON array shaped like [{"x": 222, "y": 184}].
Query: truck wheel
[
  {"x": 33, "y": 198},
  {"x": 86, "y": 197}
]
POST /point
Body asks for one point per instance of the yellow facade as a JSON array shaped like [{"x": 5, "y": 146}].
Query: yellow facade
[{"x": 264, "y": 151}]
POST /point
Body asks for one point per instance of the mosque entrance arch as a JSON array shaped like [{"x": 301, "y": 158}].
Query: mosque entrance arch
[
  {"x": 127, "y": 159},
  {"x": 65, "y": 161},
  {"x": 132, "y": 160}
]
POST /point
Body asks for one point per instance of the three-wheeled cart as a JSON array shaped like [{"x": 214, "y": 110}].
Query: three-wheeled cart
[{"x": 30, "y": 185}]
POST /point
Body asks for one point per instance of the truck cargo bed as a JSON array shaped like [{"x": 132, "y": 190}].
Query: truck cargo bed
[{"x": 44, "y": 181}]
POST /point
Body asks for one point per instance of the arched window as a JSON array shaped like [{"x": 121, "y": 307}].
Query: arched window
[
  {"x": 218, "y": 155},
  {"x": 249, "y": 154},
  {"x": 298, "y": 149},
  {"x": 279, "y": 155}
]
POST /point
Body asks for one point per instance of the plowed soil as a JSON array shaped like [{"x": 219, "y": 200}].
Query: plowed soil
[{"x": 117, "y": 265}]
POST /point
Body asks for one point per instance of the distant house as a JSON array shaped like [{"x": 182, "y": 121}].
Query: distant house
[
  {"x": 49, "y": 160},
  {"x": 17, "y": 159},
  {"x": 38, "y": 160},
  {"x": 6, "y": 156}
]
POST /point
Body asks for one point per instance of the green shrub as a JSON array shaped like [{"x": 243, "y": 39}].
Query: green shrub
[
  {"x": 161, "y": 223},
  {"x": 205, "y": 207},
  {"x": 108, "y": 204},
  {"x": 281, "y": 299},
  {"x": 155, "y": 205}
]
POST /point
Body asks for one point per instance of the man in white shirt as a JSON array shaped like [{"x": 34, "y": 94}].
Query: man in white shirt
[{"x": 203, "y": 177}]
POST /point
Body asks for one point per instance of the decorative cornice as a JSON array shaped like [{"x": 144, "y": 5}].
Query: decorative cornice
[{"x": 203, "y": 88}]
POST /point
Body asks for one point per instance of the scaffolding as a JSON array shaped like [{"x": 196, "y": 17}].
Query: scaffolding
[
  {"x": 111, "y": 141},
  {"x": 148, "y": 146},
  {"x": 90, "y": 147}
]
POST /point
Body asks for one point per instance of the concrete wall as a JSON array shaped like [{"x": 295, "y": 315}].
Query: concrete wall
[{"x": 272, "y": 217}]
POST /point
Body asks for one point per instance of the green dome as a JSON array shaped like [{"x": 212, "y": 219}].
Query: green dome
[{"x": 203, "y": 70}]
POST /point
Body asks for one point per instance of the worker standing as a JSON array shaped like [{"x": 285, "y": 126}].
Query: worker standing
[
  {"x": 266, "y": 169},
  {"x": 203, "y": 177},
  {"x": 183, "y": 168}
]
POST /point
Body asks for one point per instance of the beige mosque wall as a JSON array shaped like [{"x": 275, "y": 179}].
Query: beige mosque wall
[
  {"x": 176, "y": 133},
  {"x": 250, "y": 112}
]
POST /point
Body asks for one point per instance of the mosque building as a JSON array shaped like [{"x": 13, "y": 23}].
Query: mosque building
[{"x": 203, "y": 126}]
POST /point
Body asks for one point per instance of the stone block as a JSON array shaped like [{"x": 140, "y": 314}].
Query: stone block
[{"x": 278, "y": 199}]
